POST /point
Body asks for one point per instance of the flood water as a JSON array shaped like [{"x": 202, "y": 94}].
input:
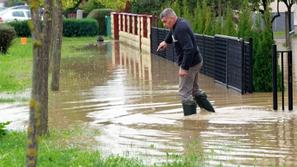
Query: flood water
[{"x": 131, "y": 97}]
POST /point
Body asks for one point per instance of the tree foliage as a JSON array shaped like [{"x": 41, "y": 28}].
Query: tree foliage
[
  {"x": 68, "y": 4},
  {"x": 114, "y": 4},
  {"x": 229, "y": 26},
  {"x": 245, "y": 21},
  {"x": 146, "y": 7},
  {"x": 263, "y": 40}
]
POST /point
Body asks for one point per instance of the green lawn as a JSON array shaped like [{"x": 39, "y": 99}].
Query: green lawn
[
  {"x": 67, "y": 148},
  {"x": 16, "y": 66},
  {"x": 55, "y": 150}
]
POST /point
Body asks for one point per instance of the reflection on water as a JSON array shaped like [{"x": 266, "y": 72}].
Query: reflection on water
[{"x": 131, "y": 97}]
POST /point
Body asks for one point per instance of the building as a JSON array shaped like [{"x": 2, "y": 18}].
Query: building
[{"x": 279, "y": 23}]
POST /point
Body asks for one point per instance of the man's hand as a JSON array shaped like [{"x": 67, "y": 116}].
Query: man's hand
[
  {"x": 162, "y": 46},
  {"x": 182, "y": 72}
]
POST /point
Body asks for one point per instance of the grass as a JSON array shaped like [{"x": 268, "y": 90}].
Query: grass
[
  {"x": 57, "y": 149},
  {"x": 16, "y": 66},
  {"x": 279, "y": 34},
  {"x": 64, "y": 148}
]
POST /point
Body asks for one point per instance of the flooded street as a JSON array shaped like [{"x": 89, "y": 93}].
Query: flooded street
[{"x": 131, "y": 98}]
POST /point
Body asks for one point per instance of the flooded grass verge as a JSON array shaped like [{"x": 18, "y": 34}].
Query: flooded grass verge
[
  {"x": 66, "y": 148},
  {"x": 16, "y": 65}
]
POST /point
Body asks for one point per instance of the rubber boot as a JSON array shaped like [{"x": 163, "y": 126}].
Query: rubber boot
[
  {"x": 189, "y": 108},
  {"x": 201, "y": 100}
]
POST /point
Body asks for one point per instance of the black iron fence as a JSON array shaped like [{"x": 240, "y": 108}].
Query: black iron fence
[
  {"x": 227, "y": 59},
  {"x": 275, "y": 55}
]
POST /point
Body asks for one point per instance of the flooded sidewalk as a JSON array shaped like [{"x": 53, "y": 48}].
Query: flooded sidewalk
[{"x": 131, "y": 98}]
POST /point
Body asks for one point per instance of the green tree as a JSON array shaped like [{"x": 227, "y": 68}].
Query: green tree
[
  {"x": 229, "y": 26},
  {"x": 207, "y": 19},
  {"x": 114, "y": 4},
  {"x": 263, "y": 40},
  {"x": 245, "y": 21},
  {"x": 198, "y": 17},
  {"x": 70, "y": 4},
  {"x": 176, "y": 8},
  {"x": 218, "y": 25},
  {"x": 146, "y": 7},
  {"x": 90, "y": 5},
  {"x": 186, "y": 11}
]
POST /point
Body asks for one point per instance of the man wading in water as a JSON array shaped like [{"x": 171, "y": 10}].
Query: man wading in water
[{"x": 189, "y": 61}]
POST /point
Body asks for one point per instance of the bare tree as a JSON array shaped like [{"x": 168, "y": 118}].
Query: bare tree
[
  {"x": 56, "y": 44},
  {"x": 289, "y": 4},
  {"x": 39, "y": 95}
]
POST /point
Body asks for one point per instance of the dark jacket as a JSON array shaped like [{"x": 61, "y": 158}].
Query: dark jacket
[{"x": 185, "y": 44}]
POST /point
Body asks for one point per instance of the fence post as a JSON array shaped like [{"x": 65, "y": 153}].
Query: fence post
[
  {"x": 227, "y": 61},
  {"x": 282, "y": 83},
  {"x": 274, "y": 75},
  {"x": 251, "y": 65},
  {"x": 243, "y": 88},
  {"x": 290, "y": 81}
]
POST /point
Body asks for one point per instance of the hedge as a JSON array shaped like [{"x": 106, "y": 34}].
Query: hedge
[
  {"x": 21, "y": 27},
  {"x": 81, "y": 27},
  {"x": 7, "y": 34},
  {"x": 71, "y": 28}
]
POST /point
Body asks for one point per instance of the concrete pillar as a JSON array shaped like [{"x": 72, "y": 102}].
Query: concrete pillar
[{"x": 79, "y": 14}]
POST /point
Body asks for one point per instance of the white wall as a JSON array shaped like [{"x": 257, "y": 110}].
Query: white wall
[
  {"x": 282, "y": 7},
  {"x": 295, "y": 18}
]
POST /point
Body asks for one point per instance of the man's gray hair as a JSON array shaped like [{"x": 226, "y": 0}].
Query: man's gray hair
[{"x": 167, "y": 12}]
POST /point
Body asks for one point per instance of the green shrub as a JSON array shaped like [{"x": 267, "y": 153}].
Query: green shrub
[
  {"x": 3, "y": 130},
  {"x": 72, "y": 27},
  {"x": 22, "y": 28},
  {"x": 245, "y": 21},
  {"x": 99, "y": 15},
  {"x": 229, "y": 26},
  {"x": 146, "y": 7},
  {"x": 81, "y": 27},
  {"x": 7, "y": 34},
  {"x": 262, "y": 61}
]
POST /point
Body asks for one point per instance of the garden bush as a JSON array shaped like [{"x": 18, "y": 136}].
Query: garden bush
[
  {"x": 81, "y": 27},
  {"x": 72, "y": 27},
  {"x": 22, "y": 28},
  {"x": 99, "y": 15},
  {"x": 7, "y": 34}
]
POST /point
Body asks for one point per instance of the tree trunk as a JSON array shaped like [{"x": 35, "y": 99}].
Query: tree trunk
[
  {"x": 37, "y": 90},
  {"x": 39, "y": 95},
  {"x": 45, "y": 48},
  {"x": 57, "y": 45}
]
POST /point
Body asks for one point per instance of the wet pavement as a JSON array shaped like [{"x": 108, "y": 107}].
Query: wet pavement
[{"x": 131, "y": 97}]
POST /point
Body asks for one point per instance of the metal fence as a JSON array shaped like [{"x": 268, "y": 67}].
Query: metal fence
[
  {"x": 275, "y": 54},
  {"x": 227, "y": 59}
]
